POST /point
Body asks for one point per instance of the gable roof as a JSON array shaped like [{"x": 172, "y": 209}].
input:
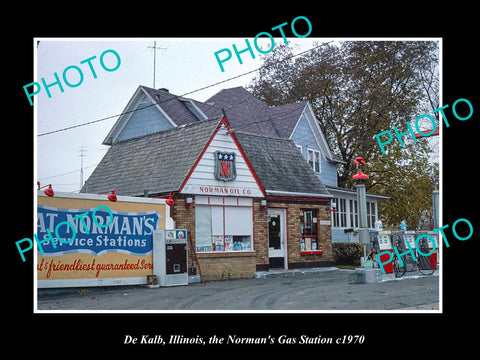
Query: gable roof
[
  {"x": 249, "y": 114},
  {"x": 173, "y": 107},
  {"x": 245, "y": 112},
  {"x": 236, "y": 96},
  {"x": 157, "y": 162},
  {"x": 161, "y": 162},
  {"x": 280, "y": 167}
]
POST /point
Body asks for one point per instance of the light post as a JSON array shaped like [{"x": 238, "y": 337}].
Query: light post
[{"x": 360, "y": 177}]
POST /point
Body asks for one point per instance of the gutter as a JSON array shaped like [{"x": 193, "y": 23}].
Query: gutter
[{"x": 297, "y": 194}]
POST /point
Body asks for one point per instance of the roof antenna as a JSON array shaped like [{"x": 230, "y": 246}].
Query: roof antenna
[{"x": 155, "y": 48}]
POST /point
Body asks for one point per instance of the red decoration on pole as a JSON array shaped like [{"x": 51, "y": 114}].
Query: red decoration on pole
[
  {"x": 359, "y": 175},
  {"x": 112, "y": 197},
  {"x": 49, "y": 191}
]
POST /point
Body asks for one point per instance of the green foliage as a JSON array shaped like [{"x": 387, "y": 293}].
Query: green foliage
[
  {"x": 359, "y": 89},
  {"x": 347, "y": 253}
]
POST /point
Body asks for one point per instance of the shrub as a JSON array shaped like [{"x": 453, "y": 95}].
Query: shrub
[{"x": 347, "y": 253}]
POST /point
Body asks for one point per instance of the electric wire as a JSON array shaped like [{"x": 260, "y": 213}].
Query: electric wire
[{"x": 67, "y": 173}]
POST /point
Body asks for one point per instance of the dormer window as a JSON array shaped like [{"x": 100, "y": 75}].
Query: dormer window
[{"x": 193, "y": 109}]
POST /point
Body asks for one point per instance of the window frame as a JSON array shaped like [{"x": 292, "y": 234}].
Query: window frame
[
  {"x": 340, "y": 216},
  {"x": 314, "y": 232},
  {"x": 315, "y": 155},
  {"x": 227, "y": 240}
]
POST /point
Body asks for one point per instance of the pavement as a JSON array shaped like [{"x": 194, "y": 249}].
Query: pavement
[{"x": 324, "y": 289}]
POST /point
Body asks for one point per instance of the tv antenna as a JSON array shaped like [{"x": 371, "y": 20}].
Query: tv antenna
[{"x": 155, "y": 48}]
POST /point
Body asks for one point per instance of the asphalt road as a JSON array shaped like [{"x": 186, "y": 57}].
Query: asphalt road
[{"x": 325, "y": 291}]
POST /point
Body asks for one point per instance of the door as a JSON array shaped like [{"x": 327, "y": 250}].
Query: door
[{"x": 277, "y": 239}]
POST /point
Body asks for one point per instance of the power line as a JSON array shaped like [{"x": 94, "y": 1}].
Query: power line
[
  {"x": 67, "y": 173},
  {"x": 183, "y": 95}
]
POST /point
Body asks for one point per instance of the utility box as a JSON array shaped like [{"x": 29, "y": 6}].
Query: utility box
[
  {"x": 365, "y": 276},
  {"x": 170, "y": 257},
  {"x": 363, "y": 236}
]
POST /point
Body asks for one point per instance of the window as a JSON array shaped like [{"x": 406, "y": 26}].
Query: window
[
  {"x": 340, "y": 216},
  {"x": 193, "y": 109},
  {"x": 300, "y": 148},
  {"x": 313, "y": 157},
  {"x": 371, "y": 214},
  {"x": 223, "y": 224},
  {"x": 353, "y": 214},
  {"x": 309, "y": 230}
]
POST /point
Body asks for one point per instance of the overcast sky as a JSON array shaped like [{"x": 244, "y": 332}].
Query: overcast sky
[{"x": 182, "y": 66}]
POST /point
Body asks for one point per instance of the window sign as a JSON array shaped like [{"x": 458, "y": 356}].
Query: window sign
[
  {"x": 223, "y": 224},
  {"x": 309, "y": 230}
]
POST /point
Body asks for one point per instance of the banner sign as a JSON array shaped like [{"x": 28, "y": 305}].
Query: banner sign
[
  {"x": 128, "y": 232},
  {"x": 80, "y": 243}
]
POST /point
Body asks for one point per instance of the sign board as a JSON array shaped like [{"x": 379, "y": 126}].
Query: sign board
[{"x": 90, "y": 241}]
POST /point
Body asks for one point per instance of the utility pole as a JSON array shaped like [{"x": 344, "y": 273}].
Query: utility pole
[
  {"x": 82, "y": 155},
  {"x": 155, "y": 48}
]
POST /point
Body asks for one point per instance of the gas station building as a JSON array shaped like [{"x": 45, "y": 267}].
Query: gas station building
[{"x": 249, "y": 203}]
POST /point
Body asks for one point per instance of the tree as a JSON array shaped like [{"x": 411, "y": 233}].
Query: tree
[{"x": 359, "y": 89}]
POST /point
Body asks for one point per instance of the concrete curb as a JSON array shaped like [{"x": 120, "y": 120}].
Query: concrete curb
[{"x": 294, "y": 272}]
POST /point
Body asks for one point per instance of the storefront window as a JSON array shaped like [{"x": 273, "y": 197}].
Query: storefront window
[
  {"x": 223, "y": 224},
  {"x": 309, "y": 230}
]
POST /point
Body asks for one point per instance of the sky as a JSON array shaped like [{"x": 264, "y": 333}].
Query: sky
[{"x": 182, "y": 66}]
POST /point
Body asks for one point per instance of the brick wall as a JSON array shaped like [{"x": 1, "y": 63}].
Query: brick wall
[
  {"x": 227, "y": 266},
  {"x": 295, "y": 259},
  {"x": 185, "y": 219},
  {"x": 260, "y": 233},
  {"x": 217, "y": 266}
]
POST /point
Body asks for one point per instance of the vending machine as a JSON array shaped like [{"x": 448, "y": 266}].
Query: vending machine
[
  {"x": 170, "y": 257},
  {"x": 385, "y": 244}
]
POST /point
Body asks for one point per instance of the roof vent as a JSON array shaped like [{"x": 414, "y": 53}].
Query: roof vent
[{"x": 164, "y": 90}]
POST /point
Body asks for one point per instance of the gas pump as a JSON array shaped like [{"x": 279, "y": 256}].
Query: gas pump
[
  {"x": 385, "y": 244},
  {"x": 426, "y": 246},
  {"x": 400, "y": 238}
]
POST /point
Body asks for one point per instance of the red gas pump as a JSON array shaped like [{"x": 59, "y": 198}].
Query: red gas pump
[
  {"x": 385, "y": 244},
  {"x": 427, "y": 263}
]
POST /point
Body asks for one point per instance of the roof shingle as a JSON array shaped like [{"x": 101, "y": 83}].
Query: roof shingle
[
  {"x": 160, "y": 162},
  {"x": 157, "y": 162}
]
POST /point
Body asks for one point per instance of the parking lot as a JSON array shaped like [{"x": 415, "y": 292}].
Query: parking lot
[{"x": 329, "y": 290}]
